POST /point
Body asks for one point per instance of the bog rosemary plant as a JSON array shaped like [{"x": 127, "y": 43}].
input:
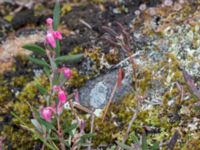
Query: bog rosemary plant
[{"x": 48, "y": 127}]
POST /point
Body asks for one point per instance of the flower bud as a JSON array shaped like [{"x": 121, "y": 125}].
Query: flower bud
[
  {"x": 62, "y": 96},
  {"x": 57, "y": 35},
  {"x": 46, "y": 114},
  {"x": 67, "y": 73},
  {"x": 49, "y": 21}
]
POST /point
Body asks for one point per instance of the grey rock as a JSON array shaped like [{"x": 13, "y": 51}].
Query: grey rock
[{"x": 96, "y": 92}]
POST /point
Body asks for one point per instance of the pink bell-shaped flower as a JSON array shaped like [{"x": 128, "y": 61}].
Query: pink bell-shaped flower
[
  {"x": 57, "y": 35},
  {"x": 62, "y": 96},
  {"x": 47, "y": 113},
  {"x": 67, "y": 72},
  {"x": 50, "y": 39}
]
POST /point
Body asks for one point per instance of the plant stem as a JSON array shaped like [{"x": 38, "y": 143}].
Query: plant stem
[
  {"x": 91, "y": 129},
  {"x": 60, "y": 134},
  {"x": 73, "y": 111}
]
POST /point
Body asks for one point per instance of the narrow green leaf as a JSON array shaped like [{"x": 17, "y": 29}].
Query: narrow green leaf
[
  {"x": 41, "y": 89},
  {"x": 45, "y": 142},
  {"x": 38, "y": 126},
  {"x": 70, "y": 128},
  {"x": 57, "y": 48},
  {"x": 38, "y": 61},
  {"x": 56, "y": 16},
  {"x": 17, "y": 117},
  {"x": 48, "y": 125},
  {"x": 124, "y": 146},
  {"x": 34, "y": 48},
  {"x": 69, "y": 58},
  {"x": 47, "y": 71}
]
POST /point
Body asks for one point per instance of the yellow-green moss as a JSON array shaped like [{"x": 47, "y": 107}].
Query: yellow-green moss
[{"x": 77, "y": 79}]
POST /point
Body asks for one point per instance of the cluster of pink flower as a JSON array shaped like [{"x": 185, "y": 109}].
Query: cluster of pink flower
[
  {"x": 52, "y": 35},
  {"x": 48, "y": 112}
]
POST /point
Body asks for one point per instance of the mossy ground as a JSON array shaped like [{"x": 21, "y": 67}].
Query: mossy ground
[{"x": 168, "y": 115}]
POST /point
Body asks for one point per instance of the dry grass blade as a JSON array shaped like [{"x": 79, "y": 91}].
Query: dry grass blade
[
  {"x": 109, "y": 102},
  {"x": 120, "y": 76}
]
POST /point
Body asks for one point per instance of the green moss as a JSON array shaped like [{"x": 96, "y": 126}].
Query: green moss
[
  {"x": 167, "y": 118},
  {"x": 77, "y": 79},
  {"x": 113, "y": 58},
  {"x": 22, "y": 109},
  {"x": 66, "y": 8},
  {"x": 145, "y": 82},
  {"x": 17, "y": 88}
]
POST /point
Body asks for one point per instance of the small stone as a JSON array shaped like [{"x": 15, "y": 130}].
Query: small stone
[{"x": 98, "y": 95}]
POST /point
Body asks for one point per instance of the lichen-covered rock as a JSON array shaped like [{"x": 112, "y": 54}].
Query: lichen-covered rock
[
  {"x": 170, "y": 47},
  {"x": 96, "y": 92}
]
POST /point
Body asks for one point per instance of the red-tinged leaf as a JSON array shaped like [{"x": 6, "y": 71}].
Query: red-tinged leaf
[
  {"x": 192, "y": 87},
  {"x": 120, "y": 76}
]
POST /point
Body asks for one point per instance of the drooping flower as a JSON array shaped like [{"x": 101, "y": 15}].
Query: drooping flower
[
  {"x": 57, "y": 35},
  {"x": 62, "y": 97},
  {"x": 52, "y": 35},
  {"x": 47, "y": 113},
  {"x": 67, "y": 72},
  {"x": 51, "y": 39}
]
